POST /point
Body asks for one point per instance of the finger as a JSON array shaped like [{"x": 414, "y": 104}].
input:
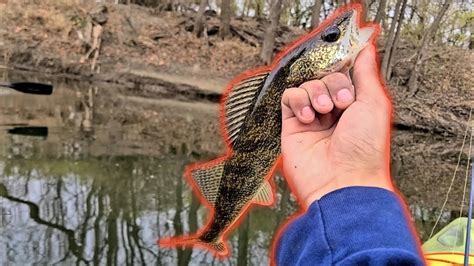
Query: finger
[
  {"x": 327, "y": 121},
  {"x": 366, "y": 76},
  {"x": 295, "y": 102},
  {"x": 340, "y": 88},
  {"x": 319, "y": 96}
]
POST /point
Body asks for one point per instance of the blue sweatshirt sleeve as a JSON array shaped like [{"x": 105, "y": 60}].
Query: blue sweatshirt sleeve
[{"x": 350, "y": 226}]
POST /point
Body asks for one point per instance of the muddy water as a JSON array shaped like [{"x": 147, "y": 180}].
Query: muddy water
[{"x": 93, "y": 175}]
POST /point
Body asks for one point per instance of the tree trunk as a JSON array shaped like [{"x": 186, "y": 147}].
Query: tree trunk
[
  {"x": 412, "y": 81},
  {"x": 266, "y": 53},
  {"x": 365, "y": 9},
  {"x": 298, "y": 13},
  {"x": 388, "y": 73},
  {"x": 390, "y": 38},
  {"x": 243, "y": 242},
  {"x": 259, "y": 8},
  {"x": 315, "y": 13},
  {"x": 224, "y": 28},
  {"x": 381, "y": 11},
  {"x": 246, "y": 8},
  {"x": 199, "y": 23}
]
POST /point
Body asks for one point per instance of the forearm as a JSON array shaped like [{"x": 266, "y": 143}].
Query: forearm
[{"x": 350, "y": 226}]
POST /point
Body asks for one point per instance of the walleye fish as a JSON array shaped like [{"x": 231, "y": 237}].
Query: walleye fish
[{"x": 251, "y": 122}]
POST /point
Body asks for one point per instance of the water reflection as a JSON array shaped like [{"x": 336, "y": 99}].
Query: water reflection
[
  {"x": 105, "y": 181},
  {"x": 109, "y": 210}
]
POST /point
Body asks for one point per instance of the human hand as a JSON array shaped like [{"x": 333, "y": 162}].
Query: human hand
[{"x": 336, "y": 134}]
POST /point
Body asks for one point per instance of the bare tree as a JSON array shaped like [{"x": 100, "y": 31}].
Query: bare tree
[
  {"x": 391, "y": 53},
  {"x": 246, "y": 8},
  {"x": 199, "y": 23},
  {"x": 259, "y": 4},
  {"x": 224, "y": 28},
  {"x": 381, "y": 11},
  {"x": 390, "y": 38},
  {"x": 315, "y": 13},
  {"x": 365, "y": 9},
  {"x": 429, "y": 33},
  {"x": 242, "y": 258},
  {"x": 266, "y": 53}
]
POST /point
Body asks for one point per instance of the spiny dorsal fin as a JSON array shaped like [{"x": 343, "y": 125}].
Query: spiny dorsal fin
[
  {"x": 264, "y": 195},
  {"x": 239, "y": 101},
  {"x": 208, "y": 181}
]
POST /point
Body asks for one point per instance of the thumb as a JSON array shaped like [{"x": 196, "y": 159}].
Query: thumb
[{"x": 366, "y": 77}]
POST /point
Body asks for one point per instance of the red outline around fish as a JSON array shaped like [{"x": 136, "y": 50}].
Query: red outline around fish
[{"x": 186, "y": 240}]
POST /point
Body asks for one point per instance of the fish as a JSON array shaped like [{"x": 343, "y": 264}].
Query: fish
[{"x": 251, "y": 125}]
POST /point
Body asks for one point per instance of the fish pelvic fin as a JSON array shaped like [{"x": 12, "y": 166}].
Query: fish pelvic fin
[
  {"x": 264, "y": 195},
  {"x": 207, "y": 178},
  {"x": 217, "y": 247}
]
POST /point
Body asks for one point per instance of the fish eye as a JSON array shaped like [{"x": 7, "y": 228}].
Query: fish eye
[{"x": 331, "y": 35}]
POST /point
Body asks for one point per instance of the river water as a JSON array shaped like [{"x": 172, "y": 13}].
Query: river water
[{"x": 93, "y": 175}]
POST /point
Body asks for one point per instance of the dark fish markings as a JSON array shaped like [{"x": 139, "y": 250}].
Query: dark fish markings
[
  {"x": 252, "y": 120},
  {"x": 255, "y": 152}
]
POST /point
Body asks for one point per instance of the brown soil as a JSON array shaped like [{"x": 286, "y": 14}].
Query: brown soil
[{"x": 153, "y": 54}]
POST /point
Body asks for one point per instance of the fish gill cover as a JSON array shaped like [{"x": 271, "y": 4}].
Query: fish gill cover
[{"x": 250, "y": 118}]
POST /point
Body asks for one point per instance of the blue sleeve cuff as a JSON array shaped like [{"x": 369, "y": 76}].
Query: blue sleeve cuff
[{"x": 350, "y": 226}]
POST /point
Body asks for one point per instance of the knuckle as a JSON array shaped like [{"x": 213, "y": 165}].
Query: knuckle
[
  {"x": 313, "y": 85},
  {"x": 335, "y": 77}
]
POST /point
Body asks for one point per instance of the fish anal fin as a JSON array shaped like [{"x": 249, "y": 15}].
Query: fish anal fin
[
  {"x": 207, "y": 178},
  {"x": 239, "y": 100},
  {"x": 264, "y": 195}
]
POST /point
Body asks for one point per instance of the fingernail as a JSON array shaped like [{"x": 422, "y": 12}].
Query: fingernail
[
  {"x": 344, "y": 95},
  {"x": 306, "y": 112},
  {"x": 323, "y": 100}
]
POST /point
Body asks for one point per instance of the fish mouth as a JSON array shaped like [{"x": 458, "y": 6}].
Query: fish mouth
[
  {"x": 355, "y": 40},
  {"x": 359, "y": 37},
  {"x": 356, "y": 34}
]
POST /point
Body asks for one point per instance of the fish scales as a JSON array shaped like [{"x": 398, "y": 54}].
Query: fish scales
[
  {"x": 255, "y": 153},
  {"x": 252, "y": 120}
]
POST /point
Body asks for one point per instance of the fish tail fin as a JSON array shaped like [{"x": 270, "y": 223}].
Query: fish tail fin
[{"x": 218, "y": 247}]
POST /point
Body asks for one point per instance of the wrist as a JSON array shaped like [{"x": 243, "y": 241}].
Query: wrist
[{"x": 375, "y": 180}]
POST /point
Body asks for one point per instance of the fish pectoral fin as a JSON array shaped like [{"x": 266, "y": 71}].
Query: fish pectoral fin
[
  {"x": 208, "y": 180},
  {"x": 239, "y": 101},
  {"x": 264, "y": 195}
]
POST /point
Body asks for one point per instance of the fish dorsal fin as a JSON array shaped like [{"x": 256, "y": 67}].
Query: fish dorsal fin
[
  {"x": 264, "y": 195},
  {"x": 239, "y": 101},
  {"x": 208, "y": 180}
]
